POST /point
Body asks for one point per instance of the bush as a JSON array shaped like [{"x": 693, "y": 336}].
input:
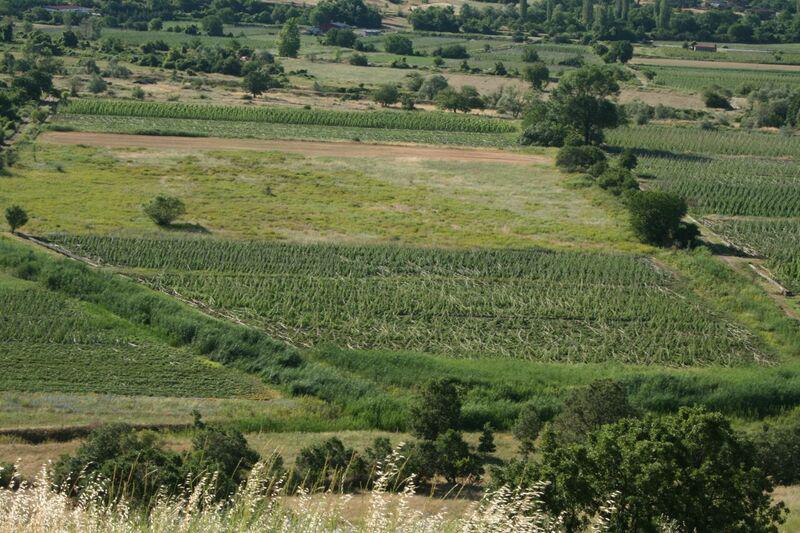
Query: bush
[
  {"x": 453, "y": 51},
  {"x": 163, "y": 210},
  {"x": 578, "y": 158},
  {"x": 386, "y": 95},
  {"x": 617, "y": 180},
  {"x": 344, "y": 38},
  {"x": 329, "y": 464},
  {"x": 16, "y": 217},
  {"x": 717, "y": 98},
  {"x": 588, "y": 408},
  {"x": 8, "y": 476},
  {"x": 627, "y": 159},
  {"x": 656, "y": 216},
  {"x": 431, "y": 86},
  {"x": 97, "y": 85},
  {"x": 437, "y": 410},
  {"x": 359, "y": 60},
  {"x": 398, "y": 44},
  {"x": 530, "y": 55}
]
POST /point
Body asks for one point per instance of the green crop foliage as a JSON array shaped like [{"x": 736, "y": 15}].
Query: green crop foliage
[
  {"x": 528, "y": 304},
  {"x": 428, "y": 121},
  {"x": 698, "y": 78},
  {"x": 779, "y": 240}
]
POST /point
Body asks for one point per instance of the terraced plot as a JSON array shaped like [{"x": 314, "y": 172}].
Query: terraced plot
[{"x": 532, "y": 304}]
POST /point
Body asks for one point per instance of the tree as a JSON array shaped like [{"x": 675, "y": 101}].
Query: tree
[
  {"x": 537, "y": 75},
  {"x": 289, "y": 39},
  {"x": 689, "y": 470},
  {"x": 386, "y": 95},
  {"x": 437, "y": 410},
  {"x": 656, "y": 216},
  {"x": 224, "y": 452},
  {"x": 257, "y": 81},
  {"x": 527, "y": 428},
  {"x": 588, "y": 408},
  {"x": 398, "y": 44},
  {"x": 431, "y": 86},
  {"x": 7, "y": 30},
  {"x": 163, "y": 210},
  {"x": 455, "y": 460},
  {"x": 213, "y": 26},
  {"x": 530, "y": 54},
  {"x": 69, "y": 39},
  {"x": 579, "y": 158},
  {"x": 321, "y": 464},
  {"x": 97, "y": 84},
  {"x": 16, "y": 217},
  {"x": 523, "y": 9},
  {"x": 486, "y": 444},
  {"x": 621, "y": 51},
  {"x": 581, "y": 100}
]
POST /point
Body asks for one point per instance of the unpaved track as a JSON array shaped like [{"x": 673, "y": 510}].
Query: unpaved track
[
  {"x": 658, "y": 61},
  {"x": 310, "y": 148}
]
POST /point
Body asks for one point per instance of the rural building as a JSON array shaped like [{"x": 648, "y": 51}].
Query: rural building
[
  {"x": 704, "y": 47},
  {"x": 324, "y": 28},
  {"x": 369, "y": 33}
]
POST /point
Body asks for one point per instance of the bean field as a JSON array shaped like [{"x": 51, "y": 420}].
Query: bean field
[{"x": 523, "y": 304}]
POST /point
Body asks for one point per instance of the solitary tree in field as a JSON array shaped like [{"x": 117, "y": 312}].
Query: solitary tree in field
[
  {"x": 289, "y": 39},
  {"x": 386, "y": 95},
  {"x": 256, "y": 82},
  {"x": 16, "y": 217},
  {"x": 537, "y": 75},
  {"x": 656, "y": 216},
  {"x": 163, "y": 210},
  {"x": 582, "y": 101}
]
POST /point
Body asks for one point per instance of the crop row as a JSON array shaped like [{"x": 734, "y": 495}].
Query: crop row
[
  {"x": 260, "y": 130},
  {"x": 428, "y": 121},
  {"x": 779, "y": 240},
  {"x": 531, "y": 304},
  {"x": 730, "y": 186},
  {"x": 697, "y": 79},
  {"x": 658, "y": 138}
]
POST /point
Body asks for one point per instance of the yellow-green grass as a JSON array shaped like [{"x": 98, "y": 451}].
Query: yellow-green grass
[
  {"x": 257, "y": 195},
  {"x": 56, "y": 410}
]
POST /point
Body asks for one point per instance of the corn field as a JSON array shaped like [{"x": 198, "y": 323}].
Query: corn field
[
  {"x": 779, "y": 240},
  {"x": 531, "y": 304},
  {"x": 429, "y": 121},
  {"x": 699, "y": 78}
]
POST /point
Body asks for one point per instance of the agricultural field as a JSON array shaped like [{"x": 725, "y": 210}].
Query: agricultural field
[
  {"x": 745, "y": 183},
  {"x": 53, "y": 343},
  {"x": 535, "y": 305},
  {"x": 696, "y": 79}
]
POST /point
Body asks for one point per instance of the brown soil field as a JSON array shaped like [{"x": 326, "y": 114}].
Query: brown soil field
[{"x": 310, "y": 148}]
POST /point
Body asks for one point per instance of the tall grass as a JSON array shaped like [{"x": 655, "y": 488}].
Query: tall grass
[{"x": 257, "y": 507}]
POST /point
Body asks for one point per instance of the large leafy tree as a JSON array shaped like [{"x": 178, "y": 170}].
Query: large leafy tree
[
  {"x": 437, "y": 410},
  {"x": 582, "y": 99},
  {"x": 690, "y": 470},
  {"x": 289, "y": 39}
]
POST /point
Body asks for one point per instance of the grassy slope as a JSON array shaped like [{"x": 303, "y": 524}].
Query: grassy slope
[{"x": 348, "y": 199}]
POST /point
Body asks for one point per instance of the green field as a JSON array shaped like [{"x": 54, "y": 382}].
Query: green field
[
  {"x": 54, "y": 343},
  {"x": 698, "y": 78},
  {"x": 779, "y": 240},
  {"x": 534, "y": 304},
  {"x": 433, "y": 121}
]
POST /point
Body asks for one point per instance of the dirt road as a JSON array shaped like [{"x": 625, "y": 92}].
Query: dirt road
[{"x": 310, "y": 148}]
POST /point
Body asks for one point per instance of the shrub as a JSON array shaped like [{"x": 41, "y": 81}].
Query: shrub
[
  {"x": 138, "y": 93},
  {"x": 617, "y": 180},
  {"x": 97, "y": 84},
  {"x": 627, "y": 159},
  {"x": 527, "y": 427},
  {"x": 329, "y": 464},
  {"x": 8, "y": 476},
  {"x": 717, "y": 98},
  {"x": 163, "y": 210},
  {"x": 588, "y": 408},
  {"x": 656, "y": 216},
  {"x": 453, "y": 51},
  {"x": 359, "y": 60},
  {"x": 578, "y": 158},
  {"x": 342, "y": 37},
  {"x": 431, "y": 86},
  {"x": 529, "y": 54},
  {"x": 386, "y": 95},
  {"x": 537, "y": 75},
  {"x": 398, "y": 44},
  {"x": 16, "y": 217},
  {"x": 455, "y": 459}
]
